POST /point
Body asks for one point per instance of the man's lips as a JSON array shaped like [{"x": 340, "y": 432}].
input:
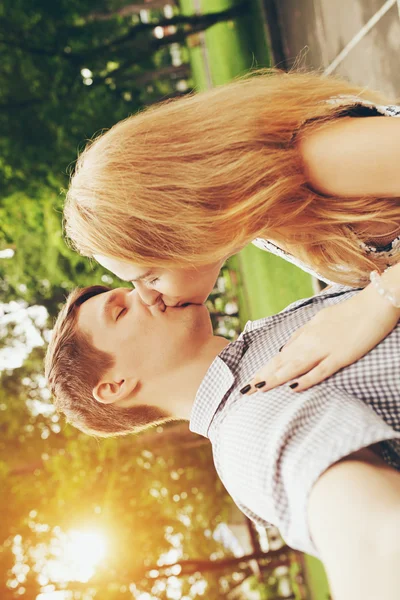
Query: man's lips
[
  {"x": 161, "y": 307},
  {"x": 185, "y": 305}
]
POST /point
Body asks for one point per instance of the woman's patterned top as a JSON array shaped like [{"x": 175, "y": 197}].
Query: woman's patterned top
[{"x": 357, "y": 108}]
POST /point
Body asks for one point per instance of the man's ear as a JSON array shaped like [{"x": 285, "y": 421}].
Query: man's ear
[{"x": 109, "y": 391}]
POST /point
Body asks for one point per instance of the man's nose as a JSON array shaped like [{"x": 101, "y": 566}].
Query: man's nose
[{"x": 149, "y": 297}]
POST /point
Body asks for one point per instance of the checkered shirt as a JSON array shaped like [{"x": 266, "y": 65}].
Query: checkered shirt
[{"x": 270, "y": 448}]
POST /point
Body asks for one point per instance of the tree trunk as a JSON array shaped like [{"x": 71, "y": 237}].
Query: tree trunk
[
  {"x": 194, "y": 23},
  {"x": 277, "y": 558},
  {"x": 183, "y": 72},
  {"x": 169, "y": 97},
  {"x": 129, "y": 10}
]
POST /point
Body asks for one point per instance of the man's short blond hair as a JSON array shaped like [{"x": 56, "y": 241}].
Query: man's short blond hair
[{"x": 73, "y": 367}]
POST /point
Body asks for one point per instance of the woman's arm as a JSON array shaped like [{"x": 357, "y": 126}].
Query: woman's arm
[
  {"x": 354, "y": 519},
  {"x": 335, "y": 337},
  {"x": 353, "y": 156}
]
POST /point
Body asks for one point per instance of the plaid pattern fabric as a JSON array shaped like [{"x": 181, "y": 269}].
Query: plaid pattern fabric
[
  {"x": 355, "y": 107},
  {"x": 270, "y": 448}
]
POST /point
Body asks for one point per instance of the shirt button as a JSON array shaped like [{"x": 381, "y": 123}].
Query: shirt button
[{"x": 231, "y": 350}]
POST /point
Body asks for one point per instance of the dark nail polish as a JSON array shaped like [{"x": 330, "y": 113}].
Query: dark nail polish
[
  {"x": 260, "y": 384},
  {"x": 245, "y": 389},
  {"x": 281, "y": 348},
  {"x": 293, "y": 385}
]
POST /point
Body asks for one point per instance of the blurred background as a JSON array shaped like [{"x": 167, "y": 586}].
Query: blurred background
[{"x": 142, "y": 517}]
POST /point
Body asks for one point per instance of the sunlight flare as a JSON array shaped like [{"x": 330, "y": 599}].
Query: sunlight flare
[{"x": 76, "y": 556}]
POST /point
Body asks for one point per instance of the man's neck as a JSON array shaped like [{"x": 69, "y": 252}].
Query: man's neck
[{"x": 176, "y": 395}]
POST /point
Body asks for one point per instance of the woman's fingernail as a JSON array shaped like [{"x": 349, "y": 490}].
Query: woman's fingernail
[
  {"x": 293, "y": 385},
  {"x": 281, "y": 348},
  {"x": 260, "y": 384},
  {"x": 245, "y": 389}
]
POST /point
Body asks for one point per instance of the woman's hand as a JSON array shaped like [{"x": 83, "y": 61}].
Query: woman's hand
[{"x": 334, "y": 338}]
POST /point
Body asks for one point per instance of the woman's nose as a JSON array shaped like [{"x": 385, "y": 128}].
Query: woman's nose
[{"x": 149, "y": 297}]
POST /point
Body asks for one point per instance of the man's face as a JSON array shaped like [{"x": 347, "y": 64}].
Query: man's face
[
  {"x": 144, "y": 340},
  {"x": 174, "y": 286}
]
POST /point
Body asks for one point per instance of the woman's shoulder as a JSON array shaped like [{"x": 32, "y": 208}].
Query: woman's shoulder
[{"x": 352, "y": 156}]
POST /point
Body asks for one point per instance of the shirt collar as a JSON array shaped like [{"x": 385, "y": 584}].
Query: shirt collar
[
  {"x": 220, "y": 377},
  {"x": 215, "y": 386}
]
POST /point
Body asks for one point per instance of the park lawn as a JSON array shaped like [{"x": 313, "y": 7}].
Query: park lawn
[
  {"x": 231, "y": 49},
  {"x": 269, "y": 283},
  {"x": 266, "y": 283}
]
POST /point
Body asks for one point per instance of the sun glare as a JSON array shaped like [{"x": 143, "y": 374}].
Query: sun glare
[{"x": 76, "y": 556}]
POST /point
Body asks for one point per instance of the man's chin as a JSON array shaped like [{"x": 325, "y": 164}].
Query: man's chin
[{"x": 197, "y": 314}]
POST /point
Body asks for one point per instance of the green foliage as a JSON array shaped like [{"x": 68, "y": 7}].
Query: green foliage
[
  {"x": 70, "y": 69},
  {"x": 43, "y": 269},
  {"x": 47, "y": 106},
  {"x": 67, "y": 72},
  {"x": 144, "y": 501}
]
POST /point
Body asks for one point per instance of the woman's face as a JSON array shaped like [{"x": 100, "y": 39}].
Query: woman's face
[{"x": 173, "y": 286}]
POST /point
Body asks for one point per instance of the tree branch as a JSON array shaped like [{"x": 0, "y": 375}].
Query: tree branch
[
  {"x": 26, "y": 48},
  {"x": 127, "y": 10},
  {"x": 16, "y": 105},
  {"x": 144, "y": 51},
  {"x": 181, "y": 71},
  {"x": 198, "y": 22},
  {"x": 275, "y": 559}
]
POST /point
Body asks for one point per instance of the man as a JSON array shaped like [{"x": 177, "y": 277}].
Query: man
[{"x": 323, "y": 465}]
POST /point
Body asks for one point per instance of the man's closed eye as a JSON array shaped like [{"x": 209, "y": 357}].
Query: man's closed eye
[{"x": 121, "y": 313}]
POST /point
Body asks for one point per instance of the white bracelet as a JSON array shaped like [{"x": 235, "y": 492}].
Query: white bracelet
[{"x": 389, "y": 295}]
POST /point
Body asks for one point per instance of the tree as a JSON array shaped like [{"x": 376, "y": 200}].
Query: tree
[
  {"x": 65, "y": 75},
  {"x": 68, "y": 69},
  {"x": 144, "y": 501},
  {"x": 132, "y": 8},
  {"x": 150, "y": 497},
  {"x": 43, "y": 269}
]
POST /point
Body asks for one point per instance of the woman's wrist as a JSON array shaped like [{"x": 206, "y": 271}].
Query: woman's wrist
[
  {"x": 387, "y": 284},
  {"x": 391, "y": 278},
  {"x": 387, "y": 292},
  {"x": 384, "y": 291}
]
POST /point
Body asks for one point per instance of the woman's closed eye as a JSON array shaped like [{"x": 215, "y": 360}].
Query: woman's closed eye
[
  {"x": 147, "y": 281},
  {"x": 153, "y": 281}
]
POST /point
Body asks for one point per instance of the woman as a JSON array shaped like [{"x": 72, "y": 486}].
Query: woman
[{"x": 288, "y": 160}]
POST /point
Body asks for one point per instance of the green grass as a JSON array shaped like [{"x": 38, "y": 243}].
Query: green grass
[
  {"x": 232, "y": 46},
  {"x": 316, "y": 578},
  {"x": 266, "y": 283},
  {"x": 270, "y": 283}
]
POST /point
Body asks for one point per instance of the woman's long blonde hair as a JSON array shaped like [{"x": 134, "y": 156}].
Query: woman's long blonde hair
[{"x": 189, "y": 181}]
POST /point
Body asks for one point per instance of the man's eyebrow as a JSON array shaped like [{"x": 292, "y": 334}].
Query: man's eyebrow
[
  {"x": 148, "y": 272},
  {"x": 106, "y": 311}
]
